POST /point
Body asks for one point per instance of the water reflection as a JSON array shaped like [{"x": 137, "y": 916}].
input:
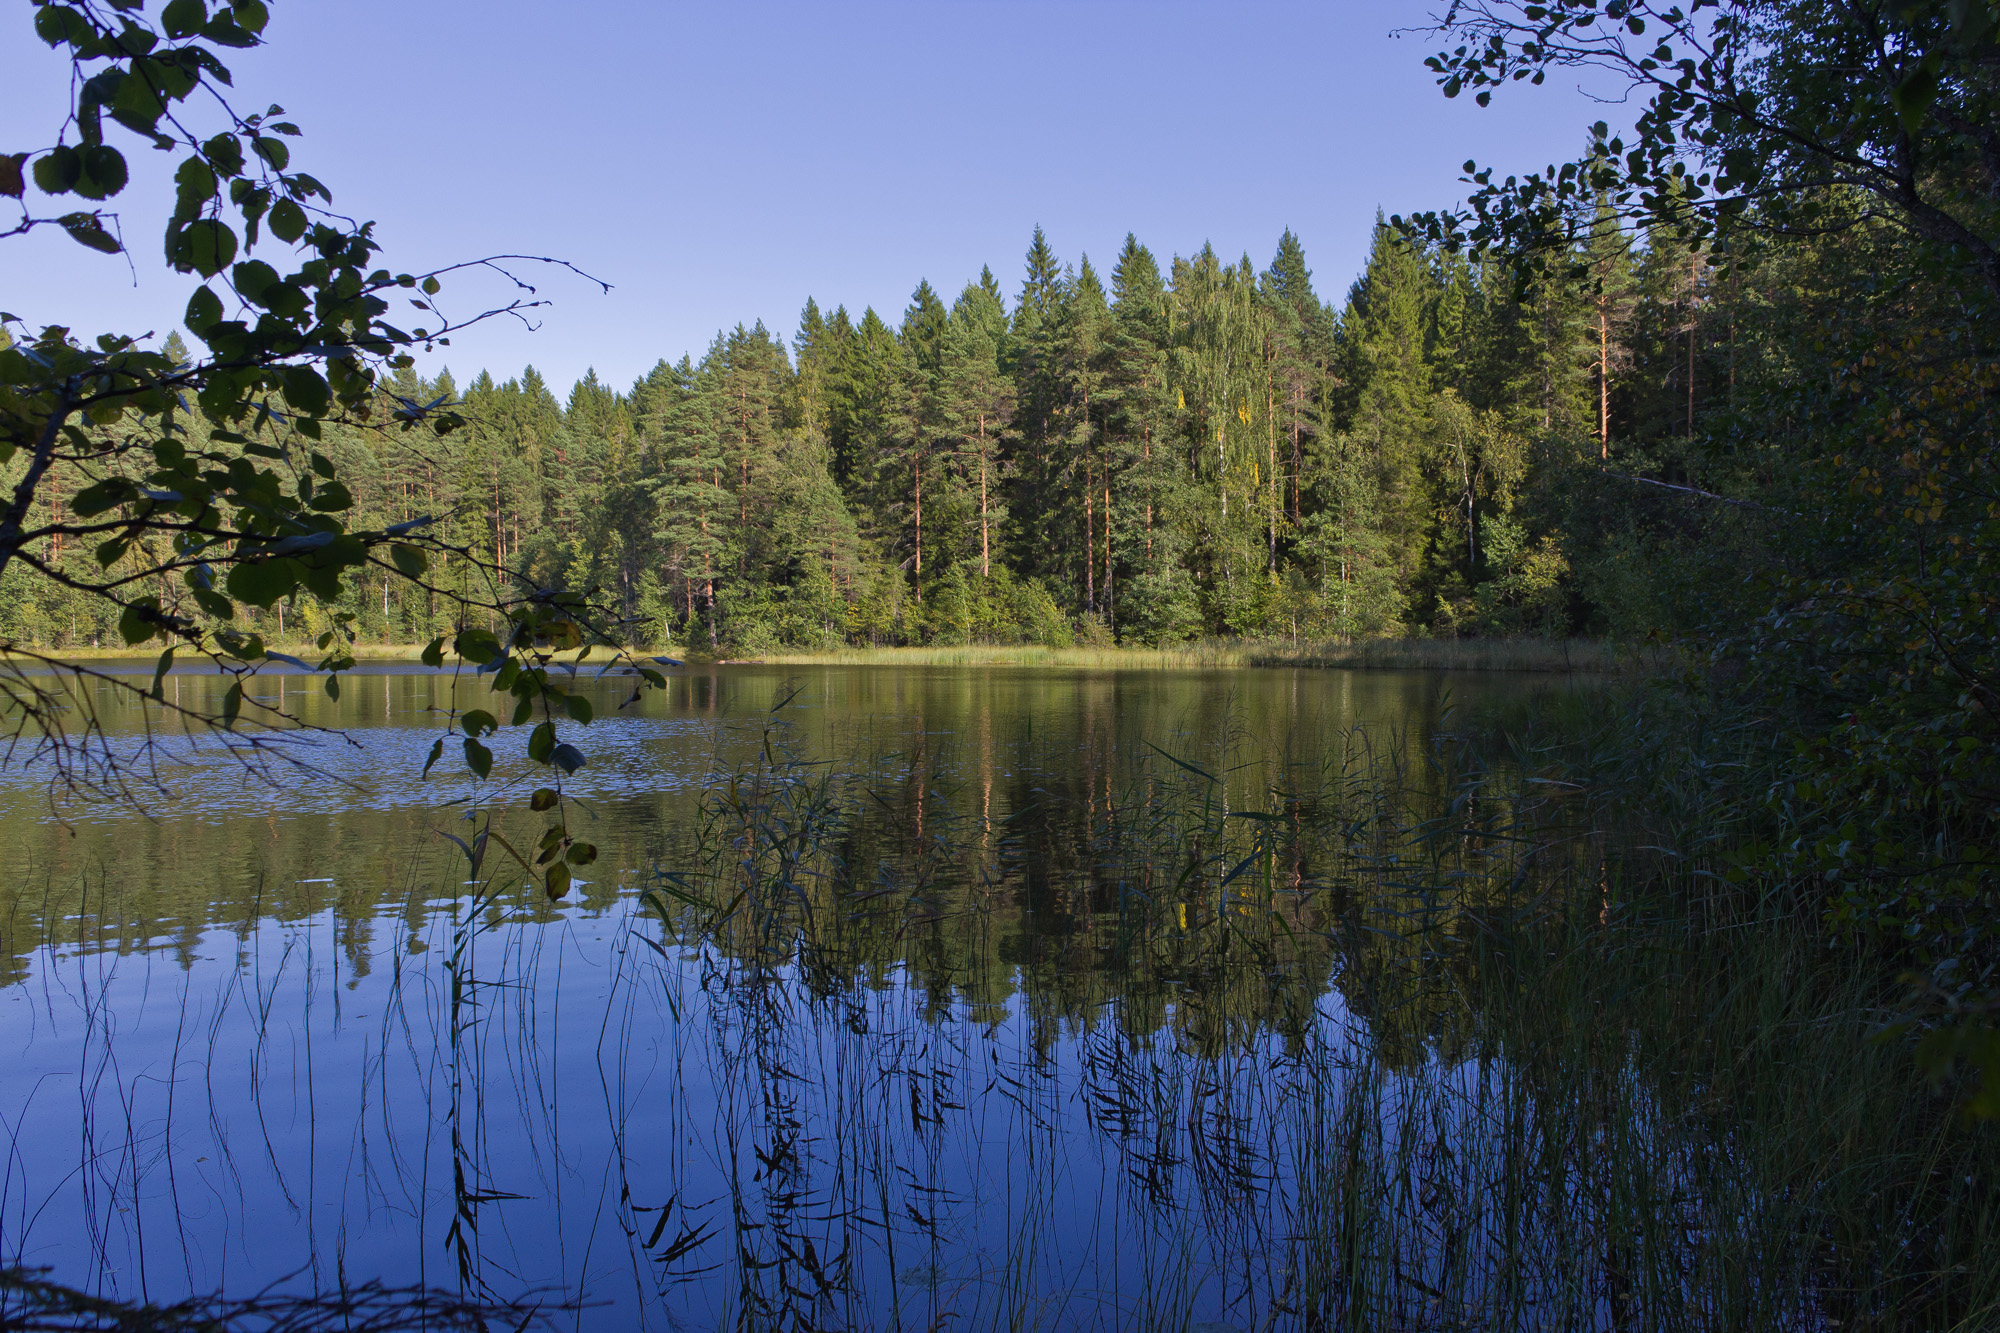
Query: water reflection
[{"x": 1058, "y": 1009}]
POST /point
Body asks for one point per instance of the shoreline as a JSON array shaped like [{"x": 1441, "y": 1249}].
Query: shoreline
[{"x": 1544, "y": 656}]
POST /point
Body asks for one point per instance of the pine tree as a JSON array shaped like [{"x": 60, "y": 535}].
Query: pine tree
[
  {"x": 1080, "y": 474},
  {"x": 1611, "y": 294}
]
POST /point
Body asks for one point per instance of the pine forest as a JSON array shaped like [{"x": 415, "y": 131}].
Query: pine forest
[{"x": 1153, "y": 454}]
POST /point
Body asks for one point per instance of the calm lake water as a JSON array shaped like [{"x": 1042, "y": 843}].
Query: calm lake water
[{"x": 1029, "y": 1035}]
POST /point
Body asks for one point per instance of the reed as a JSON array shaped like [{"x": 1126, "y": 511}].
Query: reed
[
  {"x": 1422, "y": 1030},
  {"x": 1566, "y": 1084},
  {"x": 1581, "y": 656},
  {"x": 1592, "y": 656},
  {"x": 1208, "y": 654}
]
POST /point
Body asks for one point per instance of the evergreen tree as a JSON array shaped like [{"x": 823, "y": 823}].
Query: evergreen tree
[
  {"x": 1610, "y": 295},
  {"x": 976, "y": 407}
]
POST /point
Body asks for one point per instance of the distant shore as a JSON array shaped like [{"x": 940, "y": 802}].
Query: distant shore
[{"x": 1595, "y": 656}]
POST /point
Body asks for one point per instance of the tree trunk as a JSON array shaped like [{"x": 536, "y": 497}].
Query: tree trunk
[
  {"x": 1271, "y": 450},
  {"x": 985, "y": 570},
  {"x": 1107, "y": 544},
  {"x": 1694, "y": 278},
  {"x": 1603, "y": 380},
  {"x": 1089, "y": 545}
]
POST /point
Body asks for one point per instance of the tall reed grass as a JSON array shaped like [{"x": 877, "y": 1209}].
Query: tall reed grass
[
  {"x": 1593, "y": 656},
  {"x": 1451, "y": 1029},
  {"x": 1447, "y": 1042}
]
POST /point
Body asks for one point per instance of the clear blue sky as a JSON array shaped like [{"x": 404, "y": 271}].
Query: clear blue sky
[{"x": 720, "y": 162}]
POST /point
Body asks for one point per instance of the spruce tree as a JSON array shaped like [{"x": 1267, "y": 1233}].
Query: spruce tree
[{"x": 977, "y": 403}]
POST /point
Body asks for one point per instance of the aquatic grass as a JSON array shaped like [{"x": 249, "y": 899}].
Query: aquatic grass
[
  {"x": 1563, "y": 1094},
  {"x": 32, "y": 1303},
  {"x": 1588, "y": 656},
  {"x": 1208, "y": 654},
  {"x": 1423, "y": 1028}
]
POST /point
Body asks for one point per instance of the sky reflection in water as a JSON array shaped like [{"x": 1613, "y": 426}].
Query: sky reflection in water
[{"x": 236, "y": 1056}]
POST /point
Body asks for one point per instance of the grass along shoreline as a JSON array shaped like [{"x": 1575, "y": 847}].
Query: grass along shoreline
[
  {"x": 1541, "y": 655},
  {"x": 1591, "y": 656}
]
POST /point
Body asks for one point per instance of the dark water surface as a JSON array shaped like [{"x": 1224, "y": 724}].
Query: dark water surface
[{"x": 267, "y": 1030}]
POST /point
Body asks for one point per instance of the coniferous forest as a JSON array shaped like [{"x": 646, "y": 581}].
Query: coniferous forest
[
  {"x": 1148, "y": 453},
  {"x": 1662, "y": 993}
]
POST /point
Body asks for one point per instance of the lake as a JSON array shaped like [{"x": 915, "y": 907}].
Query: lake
[{"x": 895, "y": 998}]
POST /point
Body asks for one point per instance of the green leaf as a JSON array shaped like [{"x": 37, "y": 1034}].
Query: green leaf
[
  {"x": 13, "y": 183},
  {"x": 479, "y": 722},
  {"x": 567, "y": 757},
  {"x": 85, "y": 229},
  {"x": 306, "y": 390},
  {"x": 141, "y": 620},
  {"x": 206, "y": 246},
  {"x": 579, "y": 708},
  {"x": 434, "y": 653},
  {"x": 581, "y": 853},
  {"x": 409, "y": 559},
  {"x": 232, "y": 702},
  {"x": 252, "y": 278},
  {"x": 332, "y": 498},
  {"x": 102, "y": 496},
  {"x": 287, "y": 221},
  {"x": 476, "y": 645},
  {"x": 204, "y": 310},
  {"x": 223, "y": 30},
  {"x": 57, "y": 24},
  {"x": 1912, "y": 98},
  {"x": 333, "y": 688},
  {"x": 58, "y": 170},
  {"x": 183, "y": 18},
  {"x": 225, "y": 153},
  {"x": 194, "y": 185},
  {"x": 542, "y": 742},
  {"x": 557, "y": 880},
  {"x": 137, "y": 104},
  {"x": 103, "y": 173},
  {"x": 437, "y": 753},
  {"x": 1198, "y": 772},
  {"x": 478, "y": 758},
  {"x": 544, "y": 798},
  {"x": 262, "y": 582}
]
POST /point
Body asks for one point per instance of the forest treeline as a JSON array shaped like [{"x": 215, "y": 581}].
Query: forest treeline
[{"x": 1150, "y": 454}]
